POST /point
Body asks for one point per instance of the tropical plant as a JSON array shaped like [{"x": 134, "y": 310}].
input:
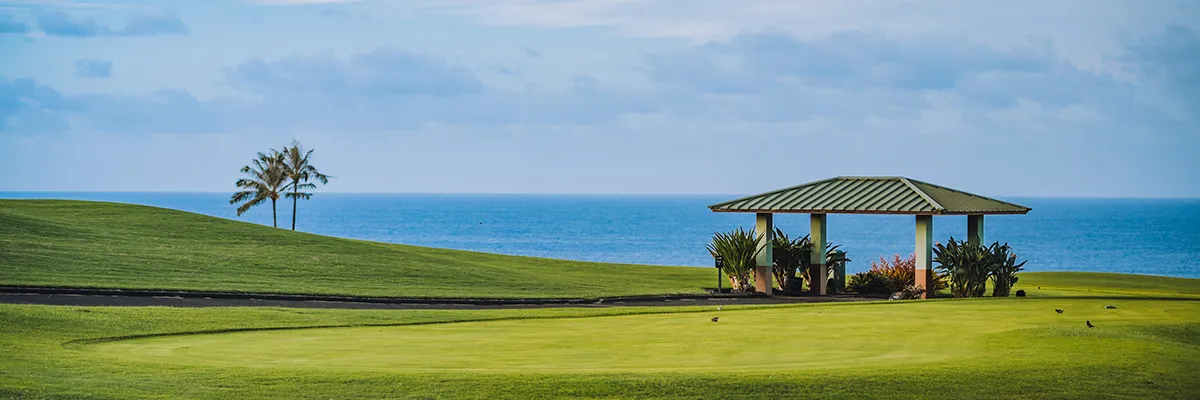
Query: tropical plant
[
  {"x": 738, "y": 250},
  {"x": 968, "y": 265},
  {"x": 791, "y": 259},
  {"x": 1004, "y": 269},
  {"x": 902, "y": 272},
  {"x": 869, "y": 282},
  {"x": 899, "y": 272},
  {"x": 833, "y": 257},
  {"x": 300, "y": 171},
  {"x": 265, "y": 177},
  {"x": 911, "y": 291},
  {"x": 789, "y": 255}
]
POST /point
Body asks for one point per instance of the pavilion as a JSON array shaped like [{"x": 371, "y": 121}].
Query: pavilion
[{"x": 863, "y": 195}]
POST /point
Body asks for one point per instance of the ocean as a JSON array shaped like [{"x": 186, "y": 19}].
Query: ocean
[{"x": 1142, "y": 236}]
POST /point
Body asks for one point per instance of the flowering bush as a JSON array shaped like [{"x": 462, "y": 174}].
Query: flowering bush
[{"x": 887, "y": 277}]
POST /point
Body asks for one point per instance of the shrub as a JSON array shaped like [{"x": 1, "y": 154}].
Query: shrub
[
  {"x": 869, "y": 282},
  {"x": 899, "y": 272},
  {"x": 790, "y": 259},
  {"x": 788, "y": 256},
  {"x": 1004, "y": 269},
  {"x": 738, "y": 250},
  {"x": 913, "y": 291},
  {"x": 967, "y": 264},
  {"x": 971, "y": 265}
]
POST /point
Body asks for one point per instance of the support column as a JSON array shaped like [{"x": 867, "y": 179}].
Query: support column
[
  {"x": 763, "y": 273},
  {"x": 975, "y": 229},
  {"x": 924, "y": 252},
  {"x": 817, "y": 271}
]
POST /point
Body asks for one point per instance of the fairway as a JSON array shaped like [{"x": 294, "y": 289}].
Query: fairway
[{"x": 820, "y": 337}]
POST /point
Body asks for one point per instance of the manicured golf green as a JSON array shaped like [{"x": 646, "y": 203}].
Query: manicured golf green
[
  {"x": 845, "y": 337},
  {"x": 92, "y": 244},
  {"x": 985, "y": 348}
]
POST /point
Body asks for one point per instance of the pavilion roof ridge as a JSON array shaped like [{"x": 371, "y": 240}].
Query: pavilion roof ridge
[
  {"x": 922, "y": 193},
  {"x": 967, "y": 193},
  {"x": 789, "y": 188},
  {"x": 869, "y": 195}
]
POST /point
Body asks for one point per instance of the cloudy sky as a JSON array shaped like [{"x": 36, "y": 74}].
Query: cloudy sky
[{"x": 1015, "y": 98}]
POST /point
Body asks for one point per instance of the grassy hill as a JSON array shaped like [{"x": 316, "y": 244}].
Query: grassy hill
[{"x": 110, "y": 245}]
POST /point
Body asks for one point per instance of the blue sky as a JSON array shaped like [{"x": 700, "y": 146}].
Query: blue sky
[{"x": 1018, "y": 98}]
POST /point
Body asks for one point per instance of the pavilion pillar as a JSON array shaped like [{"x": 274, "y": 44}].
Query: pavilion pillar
[
  {"x": 763, "y": 273},
  {"x": 924, "y": 253},
  {"x": 818, "y": 273},
  {"x": 975, "y": 229}
]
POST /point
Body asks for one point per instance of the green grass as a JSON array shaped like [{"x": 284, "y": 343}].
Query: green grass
[
  {"x": 1148, "y": 347},
  {"x": 1099, "y": 284},
  {"x": 111, "y": 245},
  {"x": 76, "y": 243},
  {"x": 987, "y": 348},
  {"x": 834, "y": 337}
]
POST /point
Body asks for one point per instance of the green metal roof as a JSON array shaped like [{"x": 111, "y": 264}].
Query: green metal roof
[{"x": 869, "y": 195}]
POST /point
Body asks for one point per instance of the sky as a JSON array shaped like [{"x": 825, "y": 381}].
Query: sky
[{"x": 1074, "y": 98}]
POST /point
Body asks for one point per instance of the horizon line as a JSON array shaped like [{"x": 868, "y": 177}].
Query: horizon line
[{"x": 553, "y": 194}]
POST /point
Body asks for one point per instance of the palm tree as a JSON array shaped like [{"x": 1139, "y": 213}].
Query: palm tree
[
  {"x": 265, "y": 177},
  {"x": 300, "y": 171}
]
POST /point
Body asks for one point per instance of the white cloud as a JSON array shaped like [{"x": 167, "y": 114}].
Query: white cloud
[
  {"x": 1085, "y": 32},
  {"x": 801, "y": 90}
]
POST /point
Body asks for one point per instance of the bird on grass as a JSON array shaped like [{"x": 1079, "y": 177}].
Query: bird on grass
[
  {"x": 1089, "y": 324},
  {"x": 714, "y": 319},
  {"x": 1058, "y": 310}
]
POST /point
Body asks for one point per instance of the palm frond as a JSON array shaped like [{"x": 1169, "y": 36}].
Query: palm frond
[
  {"x": 264, "y": 180},
  {"x": 253, "y": 202}
]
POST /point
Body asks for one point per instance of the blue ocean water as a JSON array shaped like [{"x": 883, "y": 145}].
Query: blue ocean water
[{"x": 1144, "y": 236}]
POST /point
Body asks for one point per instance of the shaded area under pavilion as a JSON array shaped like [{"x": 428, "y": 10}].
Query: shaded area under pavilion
[{"x": 862, "y": 195}]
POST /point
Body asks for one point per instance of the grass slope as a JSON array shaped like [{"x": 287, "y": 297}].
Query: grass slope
[
  {"x": 1102, "y": 284},
  {"x": 92, "y": 244},
  {"x": 987, "y": 348}
]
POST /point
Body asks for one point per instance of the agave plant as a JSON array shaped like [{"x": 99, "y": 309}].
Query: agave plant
[
  {"x": 738, "y": 249},
  {"x": 1004, "y": 268},
  {"x": 788, "y": 255},
  {"x": 967, "y": 264}
]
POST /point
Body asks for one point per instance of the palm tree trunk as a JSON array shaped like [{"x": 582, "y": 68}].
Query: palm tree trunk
[
  {"x": 274, "y": 218},
  {"x": 295, "y": 201}
]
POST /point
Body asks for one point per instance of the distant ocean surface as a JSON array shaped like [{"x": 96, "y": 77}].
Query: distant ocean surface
[{"x": 1143, "y": 236}]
